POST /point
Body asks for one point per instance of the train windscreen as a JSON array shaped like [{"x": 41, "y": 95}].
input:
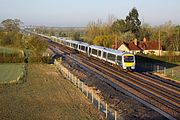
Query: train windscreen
[{"x": 128, "y": 59}]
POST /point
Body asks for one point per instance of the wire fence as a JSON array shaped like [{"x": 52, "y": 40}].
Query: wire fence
[
  {"x": 172, "y": 72},
  {"x": 99, "y": 103}
]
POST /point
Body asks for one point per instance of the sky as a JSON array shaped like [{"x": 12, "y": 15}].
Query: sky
[{"x": 78, "y": 13}]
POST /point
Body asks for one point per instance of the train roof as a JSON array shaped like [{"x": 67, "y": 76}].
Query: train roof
[
  {"x": 83, "y": 43},
  {"x": 62, "y": 38},
  {"x": 73, "y": 41}
]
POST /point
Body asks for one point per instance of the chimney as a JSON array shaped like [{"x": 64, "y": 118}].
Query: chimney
[
  {"x": 135, "y": 41},
  {"x": 144, "y": 40}
]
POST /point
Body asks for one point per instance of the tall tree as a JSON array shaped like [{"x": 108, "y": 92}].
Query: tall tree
[
  {"x": 11, "y": 25},
  {"x": 132, "y": 22},
  {"x": 119, "y": 26}
]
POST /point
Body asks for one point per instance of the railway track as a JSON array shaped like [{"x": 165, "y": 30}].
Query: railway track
[{"x": 157, "y": 92}]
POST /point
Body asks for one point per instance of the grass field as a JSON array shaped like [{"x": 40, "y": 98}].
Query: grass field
[
  {"x": 46, "y": 95},
  {"x": 10, "y": 72},
  {"x": 9, "y": 50}
]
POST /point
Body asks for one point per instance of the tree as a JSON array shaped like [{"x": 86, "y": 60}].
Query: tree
[
  {"x": 37, "y": 45},
  {"x": 132, "y": 22},
  {"x": 12, "y": 25},
  {"x": 145, "y": 32},
  {"x": 128, "y": 36},
  {"x": 76, "y": 36},
  {"x": 119, "y": 26}
]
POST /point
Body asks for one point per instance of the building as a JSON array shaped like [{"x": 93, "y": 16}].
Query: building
[{"x": 146, "y": 47}]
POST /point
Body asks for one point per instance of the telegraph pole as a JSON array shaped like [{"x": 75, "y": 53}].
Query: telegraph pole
[{"x": 159, "y": 42}]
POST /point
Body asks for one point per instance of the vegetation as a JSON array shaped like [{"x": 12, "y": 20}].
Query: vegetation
[
  {"x": 117, "y": 31},
  {"x": 10, "y": 72},
  {"x": 45, "y": 95},
  {"x": 12, "y": 37}
]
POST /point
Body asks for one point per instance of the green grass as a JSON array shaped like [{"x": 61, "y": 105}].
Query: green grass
[
  {"x": 5, "y": 50},
  {"x": 176, "y": 73},
  {"x": 10, "y": 72}
]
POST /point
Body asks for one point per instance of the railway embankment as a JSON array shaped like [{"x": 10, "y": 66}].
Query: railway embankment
[
  {"x": 45, "y": 95},
  {"x": 126, "y": 106}
]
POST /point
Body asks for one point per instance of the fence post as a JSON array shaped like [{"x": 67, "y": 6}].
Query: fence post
[
  {"x": 68, "y": 74},
  {"x": 106, "y": 110},
  {"x": 115, "y": 115},
  {"x": 72, "y": 78},
  {"x": 92, "y": 97},
  {"x": 157, "y": 68},
  {"x": 82, "y": 86},
  {"x": 172, "y": 73},
  {"x": 164, "y": 70},
  {"x": 75, "y": 81},
  {"x": 99, "y": 103},
  {"x": 87, "y": 91},
  {"x": 78, "y": 83}
]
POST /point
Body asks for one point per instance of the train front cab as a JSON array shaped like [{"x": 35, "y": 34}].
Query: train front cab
[{"x": 128, "y": 61}]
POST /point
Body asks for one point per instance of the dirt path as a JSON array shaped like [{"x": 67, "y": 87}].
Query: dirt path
[{"x": 46, "y": 95}]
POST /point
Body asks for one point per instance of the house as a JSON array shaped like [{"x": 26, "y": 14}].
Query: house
[{"x": 146, "y": 47}]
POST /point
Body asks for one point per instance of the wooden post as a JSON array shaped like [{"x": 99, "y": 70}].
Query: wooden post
[
  {"x": 72, "y": 78},
  {"x": 75, "y": 81},
  {"x": 99, "y": 103},
  {"x": 68, "y": 74},
  {"x": 172, "y": 73},
  {"x": 164, "y": 70},
  {"x": 115, "y": 115},
  {"x": 87, "y": 91},
  {"x": 157, "y": 68},
  {"x": 92, "y": 97},
  {"x": 78, "y": 83},
  {"x": 106, "y": 110},
  {"x": 82, "y": 86}
]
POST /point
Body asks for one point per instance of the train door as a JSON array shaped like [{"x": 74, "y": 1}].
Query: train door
[
  {"x": 119, "y": 60},
  {"x": 89, "y": 51}
]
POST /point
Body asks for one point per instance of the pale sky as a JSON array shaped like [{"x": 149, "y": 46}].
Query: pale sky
[{"x": 78, "y": 13}]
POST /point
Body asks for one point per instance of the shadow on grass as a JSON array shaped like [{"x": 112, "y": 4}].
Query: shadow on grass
[{"x": 146, "y": 64}]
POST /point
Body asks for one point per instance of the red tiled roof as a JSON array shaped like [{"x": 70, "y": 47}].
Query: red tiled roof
[
  {"x": 132, "y": 46},
  {"x": 148, "y": 45},
  {"x": 151, "y": 45}
]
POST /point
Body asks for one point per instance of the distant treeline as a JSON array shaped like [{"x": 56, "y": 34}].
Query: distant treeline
[{"x": 116, "y": 31}]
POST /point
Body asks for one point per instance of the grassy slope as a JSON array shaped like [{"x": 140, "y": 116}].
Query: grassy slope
[
  {"x": 10, "y": 72},
  {"x": 46, "y": 95}
]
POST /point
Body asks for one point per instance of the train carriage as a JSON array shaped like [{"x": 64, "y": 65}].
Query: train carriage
[
  {"x": 83, "y": 47},
  {"x": 95, "y": 51},
  {"x": 123, "y": 59},
  {"x": 72, "y": 44}
]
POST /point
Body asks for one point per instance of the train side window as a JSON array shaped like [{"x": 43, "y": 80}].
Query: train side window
[
  {"x": 111, "y": 57},
  {"x": 104, "y": 54},
  {"x": 99, "y": 53},
  {"x": 94, "y": 51},
  {"x": 119, "y": 58},
  {"x": 83, "y": 48},
  {"x": 86, "y": 49}
]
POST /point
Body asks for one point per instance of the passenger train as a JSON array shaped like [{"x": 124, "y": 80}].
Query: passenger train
[{"x": 124, "y": 59}]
